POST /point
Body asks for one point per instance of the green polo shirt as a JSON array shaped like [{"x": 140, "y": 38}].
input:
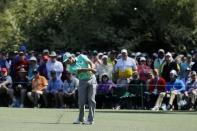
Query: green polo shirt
[{"x": 81, "y": 62}]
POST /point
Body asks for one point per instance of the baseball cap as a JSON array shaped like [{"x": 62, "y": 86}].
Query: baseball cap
[
  {"x": 161, "y": 51},
  {"x": 33, "y": 59},
  {"x": 142, "y": 59},
  {"x": 169, "y": 54},
  {"x": 123, "y": 51},
  {"x": 45, "y": 51},
  {"x": 22, "y": 48},
  {"x": 21, "y": 53},
  {"x": 104, "y": 57},
  {"x": 100, "y": 54},
  {"x": 173, "y": 72},
  {"x": 53, "y": 54}
]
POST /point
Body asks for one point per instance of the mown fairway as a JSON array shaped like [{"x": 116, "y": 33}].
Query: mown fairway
[{"x": 13, "y": 119}]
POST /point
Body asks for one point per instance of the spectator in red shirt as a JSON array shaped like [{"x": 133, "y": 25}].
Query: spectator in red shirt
[
  {"x": 21, "y": 63},
  {"x": 143, "y": 69},
  {"x": 155, "y": 87}
]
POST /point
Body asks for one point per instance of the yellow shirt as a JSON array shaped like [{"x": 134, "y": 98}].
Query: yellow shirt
[
  {"x": 125, "y": 67},
  {"x": 126, "y": 73}
]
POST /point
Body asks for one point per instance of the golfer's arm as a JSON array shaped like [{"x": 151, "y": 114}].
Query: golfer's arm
[{"x": 88, "y": 69}]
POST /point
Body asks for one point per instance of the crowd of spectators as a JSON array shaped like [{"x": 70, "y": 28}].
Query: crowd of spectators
[{"x": 135, "y": 80}]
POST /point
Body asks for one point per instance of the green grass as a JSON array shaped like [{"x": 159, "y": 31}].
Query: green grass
[{"x": 13, "y": 119}]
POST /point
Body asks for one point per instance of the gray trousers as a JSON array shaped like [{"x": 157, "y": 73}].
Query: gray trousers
[{"x": 86, "y": 93}]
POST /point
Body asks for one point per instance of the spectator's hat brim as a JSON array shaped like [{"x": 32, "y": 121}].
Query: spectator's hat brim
[{"x": 53, "y": 54}]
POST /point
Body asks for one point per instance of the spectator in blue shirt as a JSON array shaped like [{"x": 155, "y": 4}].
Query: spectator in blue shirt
[
  {"x": 55, "y": 86},
  {"x": 175, "y": 88},
  {"x": 71, "y": 84}
]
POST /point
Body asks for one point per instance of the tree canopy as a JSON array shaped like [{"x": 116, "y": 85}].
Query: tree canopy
[{"x": 143, "y": 25}]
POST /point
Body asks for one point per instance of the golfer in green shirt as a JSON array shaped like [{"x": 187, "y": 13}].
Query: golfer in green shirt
[{"x": 82, "y": 67}]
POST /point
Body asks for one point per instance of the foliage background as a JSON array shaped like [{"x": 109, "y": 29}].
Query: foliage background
[{"x": 138, "y": 25}]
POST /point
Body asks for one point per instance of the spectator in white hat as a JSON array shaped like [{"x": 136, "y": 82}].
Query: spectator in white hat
[
  {"x": 46, "y": 52},
  {"x": 100, "y": 55},
  {"x": 54, "y": 64},
  {"x": 175, "y": 88},
  {"x": 32, "y": 66},
  {"x": 124, "y": 68},
  {"x": 104, "y": 68},
  {"x": 143, "y": 69},
  {"x": 169, "y": 65}
]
